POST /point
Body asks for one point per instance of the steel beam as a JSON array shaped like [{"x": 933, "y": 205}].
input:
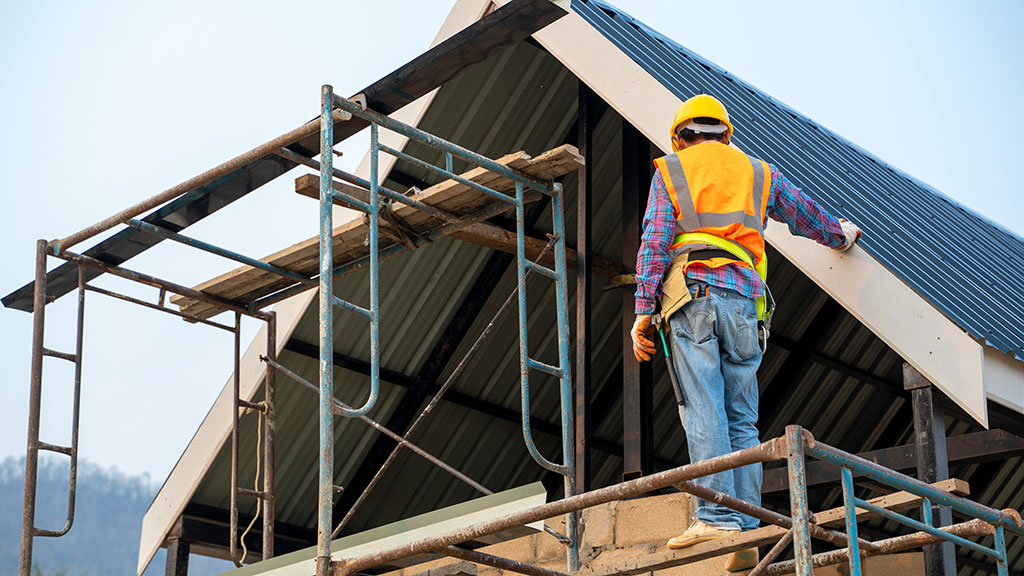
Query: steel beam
[
  {"x": 177, "y": 557},
  {"x": 637, "y": 379},
  {"x": 585, "y": 124},
  {"x": 932, "y": 462},
  {"x": 962, "y": 449}
]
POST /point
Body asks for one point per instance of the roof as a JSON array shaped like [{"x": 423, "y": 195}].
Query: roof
[
  {"x": 898, "y": 213},
  {"x": 825, "y": 369}
]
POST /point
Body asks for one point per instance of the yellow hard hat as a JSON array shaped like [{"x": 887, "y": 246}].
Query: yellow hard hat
[{"x": 700, "y": 106}]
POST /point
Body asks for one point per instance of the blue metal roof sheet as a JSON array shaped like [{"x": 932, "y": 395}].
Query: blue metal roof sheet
[{"x": 897, "y": 212}]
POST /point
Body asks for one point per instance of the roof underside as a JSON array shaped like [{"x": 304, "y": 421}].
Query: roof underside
[
  {"x": 824, "y": 370},
  {"x": 900, "y": 215}
]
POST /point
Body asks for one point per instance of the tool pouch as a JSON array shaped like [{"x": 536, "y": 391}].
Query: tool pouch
[{"x": 674, "y": 292}]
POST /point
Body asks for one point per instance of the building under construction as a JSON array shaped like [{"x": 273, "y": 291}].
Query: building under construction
[{"x": 445, "y": 383}]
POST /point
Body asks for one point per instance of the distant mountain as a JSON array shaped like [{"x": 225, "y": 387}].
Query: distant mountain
[{"x": 108, "y": 518}]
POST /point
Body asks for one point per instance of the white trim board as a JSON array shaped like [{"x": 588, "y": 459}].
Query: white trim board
[
  {"x": 918, "y": 332},
  {"x": 303, "y": 562}
]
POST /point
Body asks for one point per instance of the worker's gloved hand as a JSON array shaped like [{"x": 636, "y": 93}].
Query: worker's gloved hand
[
  {"x": 643, "y": 334},
  {"x": 852, "y": 233}
]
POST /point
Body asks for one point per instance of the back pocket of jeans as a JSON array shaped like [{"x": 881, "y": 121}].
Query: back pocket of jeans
[
  {"x": 746, "y": 335},
  {"x": 697, "y": 325}
]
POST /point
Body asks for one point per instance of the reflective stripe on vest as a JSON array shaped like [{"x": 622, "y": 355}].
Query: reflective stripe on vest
[{"x": 689, "y": 219}]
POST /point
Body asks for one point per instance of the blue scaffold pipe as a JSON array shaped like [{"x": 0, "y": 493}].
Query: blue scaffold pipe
[
  {"x": 798, "y": 500},
  {"x": 849, "y": 507},
  {"x": 565, "y": 367},
  {"x": 541, "y": 269},
  {"x": 325, "y": 503},
  {"x": 542, "y": 367},
  {"x": 374, "y": 272},
  {"x": 921, "y": 526},
  {"x": 448, "y": 174},
  {"x": 433, "y": 141},
  {"x": 1002, "y": 562},
  {"x": 212, "y": 249},
  {"x": 903, "y": 482},
  {"x": 353, "y": 308},
  {"x": 524, "y": 348}
]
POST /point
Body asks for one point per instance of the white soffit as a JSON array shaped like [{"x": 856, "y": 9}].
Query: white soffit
[{"x": 1004, "y": 379}]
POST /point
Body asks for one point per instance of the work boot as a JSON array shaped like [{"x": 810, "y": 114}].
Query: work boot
[
  {"x": 698, "y": 532},
  {"x": 742, "y": 560}
]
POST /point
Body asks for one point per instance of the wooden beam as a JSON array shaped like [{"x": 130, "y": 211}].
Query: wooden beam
[
  {"x": 664, "y": 558},
  {"x": 961, "y": 449},
  {"x": 481, "y": 233},
  {"x": 246, "y": 283}
]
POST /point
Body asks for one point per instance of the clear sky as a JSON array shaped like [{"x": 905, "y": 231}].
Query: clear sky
[{"x": 102, "y": 105}]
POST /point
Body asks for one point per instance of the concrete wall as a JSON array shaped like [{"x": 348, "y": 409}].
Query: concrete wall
[{"x": 628, "y": 529}]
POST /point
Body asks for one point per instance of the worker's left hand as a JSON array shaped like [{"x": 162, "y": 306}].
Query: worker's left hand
[
  {"x": 642, "y": 334},
  {"x": 851, "y": 231}
]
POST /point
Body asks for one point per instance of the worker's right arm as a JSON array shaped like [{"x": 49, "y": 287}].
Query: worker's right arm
[
  {"x": 804, "y": 216},
  {"x": 653, "y": 260}
]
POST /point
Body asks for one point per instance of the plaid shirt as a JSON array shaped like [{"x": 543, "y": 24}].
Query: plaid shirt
[{"x": 786, "y": 204}]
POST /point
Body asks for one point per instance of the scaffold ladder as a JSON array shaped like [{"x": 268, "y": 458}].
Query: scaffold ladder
[
  {"x": 29, "y": 530},
  {"x": 328, "y": 301}
]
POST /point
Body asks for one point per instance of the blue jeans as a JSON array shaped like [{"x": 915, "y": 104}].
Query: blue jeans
[{"x": 715, "y": 353}]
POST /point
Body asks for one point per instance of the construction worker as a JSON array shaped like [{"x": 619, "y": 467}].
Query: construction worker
[{"x": 702, "y": 254}]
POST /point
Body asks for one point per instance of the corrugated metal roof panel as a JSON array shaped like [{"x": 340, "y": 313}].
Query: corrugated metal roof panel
[{"x": 897, "y": 212}]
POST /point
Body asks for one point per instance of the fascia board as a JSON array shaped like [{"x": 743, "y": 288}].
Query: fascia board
[{"x": 918, "y": 332}]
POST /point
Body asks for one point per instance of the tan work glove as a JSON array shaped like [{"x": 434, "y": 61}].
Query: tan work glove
[
  {"x": 642, "y": 334},
  {"x": 851, "y": 231}
]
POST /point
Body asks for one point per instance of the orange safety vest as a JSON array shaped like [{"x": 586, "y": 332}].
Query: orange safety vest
[{"x": 720, "y": 191}]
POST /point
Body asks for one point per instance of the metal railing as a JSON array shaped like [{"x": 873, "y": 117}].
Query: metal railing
[
  {"x": 44, "y": 251},
  {"x": 799, "y": 527}
]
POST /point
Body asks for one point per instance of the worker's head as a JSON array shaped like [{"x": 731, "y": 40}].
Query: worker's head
[{"x": 700, "y": 119}]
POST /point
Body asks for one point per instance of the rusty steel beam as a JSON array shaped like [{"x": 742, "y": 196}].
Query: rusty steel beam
[{"x": 889, "y": 546}]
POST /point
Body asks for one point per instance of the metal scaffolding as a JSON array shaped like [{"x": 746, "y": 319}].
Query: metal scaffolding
[
  {"x": 333, "y": 109},
  {"x": 793, "y": 447}
]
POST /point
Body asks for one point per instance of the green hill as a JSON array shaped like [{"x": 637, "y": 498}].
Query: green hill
[{"x": 105, "y": 538}]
